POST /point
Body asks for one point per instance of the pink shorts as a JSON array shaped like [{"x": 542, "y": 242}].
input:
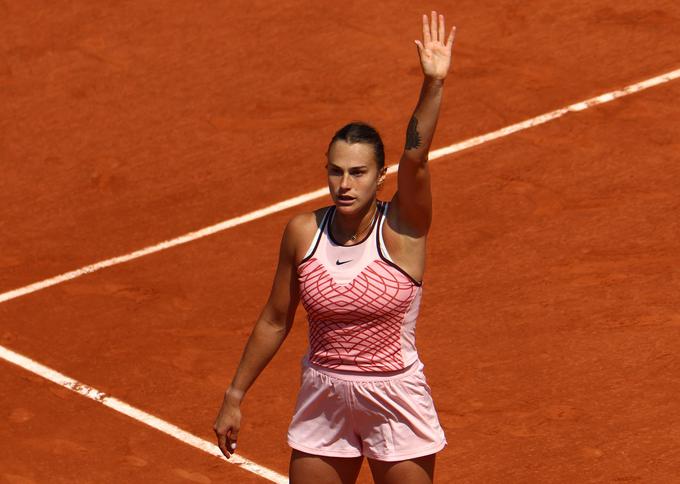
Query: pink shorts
[{"x": 387, "y": 416}]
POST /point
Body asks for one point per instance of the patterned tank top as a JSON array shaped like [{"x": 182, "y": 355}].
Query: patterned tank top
[{"x": 361, "y": 307}]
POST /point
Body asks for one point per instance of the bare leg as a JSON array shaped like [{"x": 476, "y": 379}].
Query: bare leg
[
  {"x": 317, "y": 469},
  {"x": 414, "y": 471}
]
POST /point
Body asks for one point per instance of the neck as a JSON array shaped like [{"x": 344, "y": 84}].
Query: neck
[{"x": 354, "y": 224}]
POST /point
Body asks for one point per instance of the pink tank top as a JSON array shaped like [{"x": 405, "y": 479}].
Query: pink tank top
[{"x": 361, "y": 307}]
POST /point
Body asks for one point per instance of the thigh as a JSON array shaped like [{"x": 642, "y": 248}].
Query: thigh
[
  {"x": 306, "y": 468},
  {"x": 414, "y": 471},
  {"x": 322, "y": 422},
  {"x": 396, "y": 419}
]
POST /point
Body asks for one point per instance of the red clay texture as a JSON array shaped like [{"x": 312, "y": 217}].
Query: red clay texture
[{"x": 550, "y": 316}]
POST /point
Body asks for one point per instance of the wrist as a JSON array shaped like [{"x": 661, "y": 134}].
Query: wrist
[
  {"x": 233, "y": 396},
  {"x": 433, "y": 81}
]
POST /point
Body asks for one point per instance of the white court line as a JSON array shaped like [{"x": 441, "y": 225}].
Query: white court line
[
  {"x": 137, "y": 414},
  {"x": 292, "y": 202},
  {"x": 299, "y": 200}
]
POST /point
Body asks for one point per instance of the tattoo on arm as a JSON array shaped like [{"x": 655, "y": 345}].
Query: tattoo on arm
[{"x": 412, "y": 136}]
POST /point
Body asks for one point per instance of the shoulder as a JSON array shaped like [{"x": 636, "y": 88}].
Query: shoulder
[
  {"x": 305, "y": 223},
  {"x": 300, "y": 231}
]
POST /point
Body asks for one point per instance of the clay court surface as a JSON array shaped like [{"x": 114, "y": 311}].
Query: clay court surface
[{"x": 550, "y": 321}]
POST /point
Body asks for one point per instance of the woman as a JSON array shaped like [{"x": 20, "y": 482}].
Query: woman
[{"x": 356, "y": 266}]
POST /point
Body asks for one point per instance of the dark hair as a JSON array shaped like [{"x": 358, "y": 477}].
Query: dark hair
[{"x": 359, "y": 132}]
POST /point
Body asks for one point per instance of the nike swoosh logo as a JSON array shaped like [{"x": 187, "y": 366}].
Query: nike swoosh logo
[{"x": 339, "y": 262}]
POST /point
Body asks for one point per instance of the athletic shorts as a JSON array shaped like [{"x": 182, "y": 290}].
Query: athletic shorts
[{"x": 387, "y": 416}]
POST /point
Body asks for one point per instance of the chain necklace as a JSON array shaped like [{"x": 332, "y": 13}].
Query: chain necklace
[{"x": 360, "y": 230}]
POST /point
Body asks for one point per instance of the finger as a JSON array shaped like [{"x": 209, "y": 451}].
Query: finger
[
  {"x": 442, "y": 30},
  {"x": 222, "y": 444},
  {"x": 433, "y": 27},
  {"x": 420, "y": 46},
  {"x": 426, "y": 30},
  {"x": 452, "y": 36}
]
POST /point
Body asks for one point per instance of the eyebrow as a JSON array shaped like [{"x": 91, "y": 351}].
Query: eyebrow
[{"x": 333, "y": 165}]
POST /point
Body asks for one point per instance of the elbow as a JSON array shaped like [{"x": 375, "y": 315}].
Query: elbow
[
  {"x": 417, "y": 159},
  {"x": 276, "y": 324},
  {"x": 278, "y": 321}
]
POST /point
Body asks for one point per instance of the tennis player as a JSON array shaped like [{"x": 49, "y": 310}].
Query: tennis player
[{"x": 357, "y": 267}]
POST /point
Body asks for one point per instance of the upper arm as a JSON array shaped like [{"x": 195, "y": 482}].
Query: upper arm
[
  {"x": 413, "y": 199},
  {"x": 284, "y": 297}
]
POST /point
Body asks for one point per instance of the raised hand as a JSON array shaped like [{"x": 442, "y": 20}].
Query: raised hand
[{"x": 435, "y": 55}]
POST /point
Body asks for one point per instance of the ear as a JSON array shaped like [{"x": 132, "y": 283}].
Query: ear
[{"x": 381, "y": 177}]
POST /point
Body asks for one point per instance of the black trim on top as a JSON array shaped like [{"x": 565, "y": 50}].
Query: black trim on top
[
  {"x": 382, "y": 256},
  {"x": 330, "y": 234},
  {"x": 324, "y": 221}
]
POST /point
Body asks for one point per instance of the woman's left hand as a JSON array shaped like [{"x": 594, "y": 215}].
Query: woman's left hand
[{"x": 435, "y": 55}]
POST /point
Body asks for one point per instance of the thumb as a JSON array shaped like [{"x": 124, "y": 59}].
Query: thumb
[
  {"x": 233, "y": 437},
  {"x": 419, "y": 45}
]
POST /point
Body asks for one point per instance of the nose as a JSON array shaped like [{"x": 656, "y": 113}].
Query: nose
[{"x": 344, "y": 182}]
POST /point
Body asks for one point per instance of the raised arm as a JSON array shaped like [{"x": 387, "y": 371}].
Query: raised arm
[
  {"x": 269, "y": 332},
  {"x": 413, "y": 199}
]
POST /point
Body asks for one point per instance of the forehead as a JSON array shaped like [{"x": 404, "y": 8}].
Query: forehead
[{"x": 345, "y": 154}]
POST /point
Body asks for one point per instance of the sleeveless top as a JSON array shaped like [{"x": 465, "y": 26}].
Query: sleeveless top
[{"x": 361, "y": 307}]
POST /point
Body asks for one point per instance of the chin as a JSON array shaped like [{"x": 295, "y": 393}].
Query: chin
[
  {"x": 346, "y": 208},
  {"x": 354, "y": 207}
]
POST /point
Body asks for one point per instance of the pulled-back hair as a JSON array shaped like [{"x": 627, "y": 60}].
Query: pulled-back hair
[{"x": 360, "y": 132}]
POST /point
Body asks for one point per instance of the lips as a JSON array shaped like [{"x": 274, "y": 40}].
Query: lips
[{"x": 345, "y": 199}]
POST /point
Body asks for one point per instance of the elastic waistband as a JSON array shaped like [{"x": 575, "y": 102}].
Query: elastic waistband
[{"x": 348, "y": 375}]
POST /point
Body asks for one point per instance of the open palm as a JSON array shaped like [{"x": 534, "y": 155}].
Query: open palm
[{"x": 435, "y": 55}]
